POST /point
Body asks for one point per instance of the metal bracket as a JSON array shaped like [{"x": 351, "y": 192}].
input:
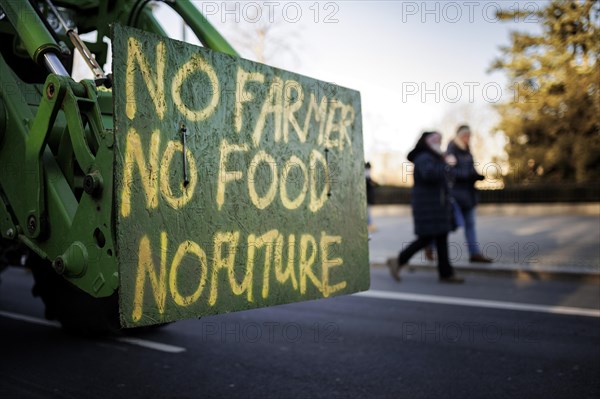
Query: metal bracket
[{"x": 53, "y": 94}]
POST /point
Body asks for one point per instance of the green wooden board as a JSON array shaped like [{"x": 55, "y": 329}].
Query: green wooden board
[{"x": 268, "y": 205}]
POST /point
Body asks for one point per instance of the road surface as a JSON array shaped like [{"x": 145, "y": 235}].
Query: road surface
[{"x": 493, "y": 337}]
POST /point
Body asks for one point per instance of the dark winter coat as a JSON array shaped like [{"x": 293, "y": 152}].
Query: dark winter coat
[
  {"x": 463, "y": 190},
  {"x": 370, "y": 190},
  {"x": 432, "y": 210}
]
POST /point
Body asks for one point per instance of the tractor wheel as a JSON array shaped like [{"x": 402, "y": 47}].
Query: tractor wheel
[{"x": 77, "y": 311}]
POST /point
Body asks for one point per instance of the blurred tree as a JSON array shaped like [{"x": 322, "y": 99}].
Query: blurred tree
[
  {"x": 553, "y": 122},
  {"x": 266, "y": 39}
]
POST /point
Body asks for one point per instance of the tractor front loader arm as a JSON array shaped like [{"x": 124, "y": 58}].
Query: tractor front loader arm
[{"x": 56, "y": 163}]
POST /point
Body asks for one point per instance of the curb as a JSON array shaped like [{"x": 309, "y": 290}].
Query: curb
[
  {"x": 526, "y": 209},
  {"x": 516, "y": 271}
]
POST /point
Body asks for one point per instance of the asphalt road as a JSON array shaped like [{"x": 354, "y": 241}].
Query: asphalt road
[{"x": 503, "y": 339}]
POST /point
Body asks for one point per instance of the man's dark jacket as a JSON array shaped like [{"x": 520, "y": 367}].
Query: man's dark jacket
[{"x": 463, "y": 190}]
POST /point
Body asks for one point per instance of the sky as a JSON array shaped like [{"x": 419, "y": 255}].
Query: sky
[
  {"x": 414, "y": 62},
  {"x": 419, "y": 65}
]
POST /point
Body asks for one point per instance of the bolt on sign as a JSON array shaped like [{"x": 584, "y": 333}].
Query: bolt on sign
[{"x": 238, "y": 185}]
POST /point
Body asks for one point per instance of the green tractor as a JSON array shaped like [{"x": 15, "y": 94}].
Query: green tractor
[{"x": 187, "y": 182}]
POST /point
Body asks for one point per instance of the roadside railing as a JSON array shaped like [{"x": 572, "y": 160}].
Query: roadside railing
[{"x": 538, "y": 193}]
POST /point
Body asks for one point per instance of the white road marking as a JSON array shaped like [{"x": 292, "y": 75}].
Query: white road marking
[
  {"x": 151, "y": 345},
  {"x": 482, "y": 303},
  {"x": 158, "y": 346},
  {"x": 29, "y": 319}
]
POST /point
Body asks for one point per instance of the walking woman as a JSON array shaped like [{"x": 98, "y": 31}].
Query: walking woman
[
  {"x": 432, "y": 210},
  {"x": 464, "y": 191}
]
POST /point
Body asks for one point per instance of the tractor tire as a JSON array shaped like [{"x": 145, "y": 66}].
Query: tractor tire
[{"x": 77, "y": 311}]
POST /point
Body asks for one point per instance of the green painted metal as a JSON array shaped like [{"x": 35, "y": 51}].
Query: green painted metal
[
  {"x": 99, "y": 15},
  {"x": 30, "y": 29},
  {"x": 207, "y": 34},
  {"x": 8, "y": 229},
  {"x": 50, "y": 144},
  {"x": 274, "y": 206},
  {"x": 44, "y": 145}
]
